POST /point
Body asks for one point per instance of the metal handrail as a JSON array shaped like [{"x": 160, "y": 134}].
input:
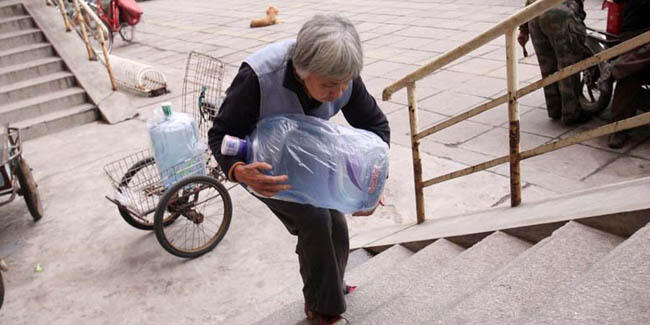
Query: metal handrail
[
  {"x": 81, "y": 7},
  {"x": 509, "y": 28}
]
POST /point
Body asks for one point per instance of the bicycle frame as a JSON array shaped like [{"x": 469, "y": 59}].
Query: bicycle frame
[
  {"x": 112, "y": 23},
  {"x": 12, "y": 139}
]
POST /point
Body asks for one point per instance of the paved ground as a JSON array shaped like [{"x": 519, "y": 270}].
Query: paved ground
[{"x": 97, "y": 269}]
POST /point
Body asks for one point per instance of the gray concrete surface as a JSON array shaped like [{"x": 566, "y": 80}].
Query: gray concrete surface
[
  {"x": 91, "y": 75},
  {"x": 99, "y": 270},
  {"x": 291, "y": 312},
  {"x": 528, "y": 284},
  {"x": 614, "y": 291},
  {"x": 610, "y": 200},
  {"x": 426, "y": 297},
  {"x": 425, "y": 262}
]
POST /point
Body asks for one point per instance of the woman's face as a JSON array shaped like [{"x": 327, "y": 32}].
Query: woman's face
[{"x": 324, "y": 89}]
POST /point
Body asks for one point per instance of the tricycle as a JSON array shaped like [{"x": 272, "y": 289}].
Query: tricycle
[
  {"x": 187, "y": 206},
  {"x": 16, "y": 179}
]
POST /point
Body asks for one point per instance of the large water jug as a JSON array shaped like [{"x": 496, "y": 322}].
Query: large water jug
[
  {"x": 328, "y": 165},
  {"x": 176, "y": 145}
]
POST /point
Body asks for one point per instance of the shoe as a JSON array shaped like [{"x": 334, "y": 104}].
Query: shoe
[
  {"x": 617, "y": 140},
  {"x": 349, "y": 289},
  {"x": 328, "y": 320}
]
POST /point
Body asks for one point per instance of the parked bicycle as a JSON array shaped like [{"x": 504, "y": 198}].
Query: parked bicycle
[{"x": 118, "y": 16}]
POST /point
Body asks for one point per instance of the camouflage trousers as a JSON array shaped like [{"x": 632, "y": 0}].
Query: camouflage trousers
[{"x": 558, "y": 38}]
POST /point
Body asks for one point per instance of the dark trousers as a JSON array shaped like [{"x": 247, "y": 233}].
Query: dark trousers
[
  {"x": 323, "y": 248},
  {"x": 631, "y": 70},
  {"x": 626, "y": 97}
]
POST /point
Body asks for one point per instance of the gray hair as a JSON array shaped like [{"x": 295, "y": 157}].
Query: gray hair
[{"x": 328, "y": 45}]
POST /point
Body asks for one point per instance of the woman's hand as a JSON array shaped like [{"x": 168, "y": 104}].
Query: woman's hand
[
  {"x": 266, "y": 185},
  {"x": 523, "y": 39}
]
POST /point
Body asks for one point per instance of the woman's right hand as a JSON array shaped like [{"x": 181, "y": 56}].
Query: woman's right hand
[{"x": 251, "y": 175}]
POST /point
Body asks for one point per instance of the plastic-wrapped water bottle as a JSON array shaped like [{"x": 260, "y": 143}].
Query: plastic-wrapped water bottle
[
  {"x": 328, "y": 165},
  {"x": 176, "y": 145}
]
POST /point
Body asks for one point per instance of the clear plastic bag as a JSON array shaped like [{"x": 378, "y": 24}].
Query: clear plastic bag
[{"x": 328, "y": 165}]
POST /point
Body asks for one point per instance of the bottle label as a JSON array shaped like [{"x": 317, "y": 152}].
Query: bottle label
[
  {"x": 233, "y": 146},
  {"x": 374, "y": 180}
]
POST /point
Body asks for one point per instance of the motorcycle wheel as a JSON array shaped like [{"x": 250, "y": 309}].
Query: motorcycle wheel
[{"x": 595, "y": 96}]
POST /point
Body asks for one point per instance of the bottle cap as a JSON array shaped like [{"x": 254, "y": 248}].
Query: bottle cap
[
  {"x": 167, "y": 108},
  {"x": 233, "y": 146}
]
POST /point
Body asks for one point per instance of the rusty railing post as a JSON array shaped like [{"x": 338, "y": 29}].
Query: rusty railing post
[
  {"x": 513, "y": 116},
  {"x": 102, "y": 40},
  {"x": 415, "y": 148},
  {"x": 66, "y": 22},
  {"x": 82, "y": 26}
]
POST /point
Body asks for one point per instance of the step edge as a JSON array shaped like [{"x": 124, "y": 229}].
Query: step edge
[{"x": 32, "y": 82}]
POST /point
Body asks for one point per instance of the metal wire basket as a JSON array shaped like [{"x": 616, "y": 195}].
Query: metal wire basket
[
  {"x": 137, "y": 181},
  {"x": 138, "y": 184},
  {"x": 202, "y": 93},
  {"x": 138, "y": 77}
]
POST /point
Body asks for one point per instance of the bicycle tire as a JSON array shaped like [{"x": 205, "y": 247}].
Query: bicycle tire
[
  {"x": 2, "y": 290},
  {"x": 168, "y": 198},
  {"x": 29, "y": 189},
  {"x": 604, "y": 89},
  {"x": 124, "y": 182},
  {"x": 94, "y": 36},
  {"x": 127, "y": 32}
]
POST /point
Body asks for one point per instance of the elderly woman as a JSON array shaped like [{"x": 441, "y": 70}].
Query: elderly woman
[{"x": 317, "y": 74}]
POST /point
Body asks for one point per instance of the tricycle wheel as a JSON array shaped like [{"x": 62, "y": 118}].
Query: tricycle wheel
[
  {"x": 2, "y": 290},
  {"x": 138, "y": 173},
  {"x": 29, "y": 189},
  {"x": 203, "y": 208}
]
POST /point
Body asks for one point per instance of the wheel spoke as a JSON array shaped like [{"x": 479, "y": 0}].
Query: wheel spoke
[
  {"x": 204, "y": 217},
  {"x": 591, "y": 94}
]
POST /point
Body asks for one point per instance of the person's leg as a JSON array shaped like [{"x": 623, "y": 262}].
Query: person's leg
[
  {"x": 567, "y": 36},
  {"x": 322, "y": 249},
  {"x": 626, "y": 94},
  {"x": 547, "y": 65},
  {"x": 341, "y": 240}
]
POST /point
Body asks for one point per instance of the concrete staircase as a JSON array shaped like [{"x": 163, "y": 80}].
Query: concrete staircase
[
  {"x": 587, "y": 269},
  {"x": 38, "y": 94}
]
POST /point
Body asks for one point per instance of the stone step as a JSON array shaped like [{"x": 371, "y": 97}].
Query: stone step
[
  {"x": 426, "y": 298},
  {"x": 616, "y": 290},
  {"x": 15, "y": 23},
  {"x": 9, "y": 8},
  {"x": 293, "y": 293},
  {"x": 358, "y": 257},
  {"x": 57, "y": 121},
  {"x": 31, "y": 69},
  {"x": 293, "y": 313},
  {"x": 19, "y": 38},
  {"x": 40, "y": 85},
  {"x": 25, "y": 53},
  {"x": 525, "y": 286},
  {"x": 43, "y": 104},
  {"x": 374, "y": 294}
]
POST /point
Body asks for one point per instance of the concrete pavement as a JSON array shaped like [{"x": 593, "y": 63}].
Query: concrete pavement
[{"x": 99, "y": 270}]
